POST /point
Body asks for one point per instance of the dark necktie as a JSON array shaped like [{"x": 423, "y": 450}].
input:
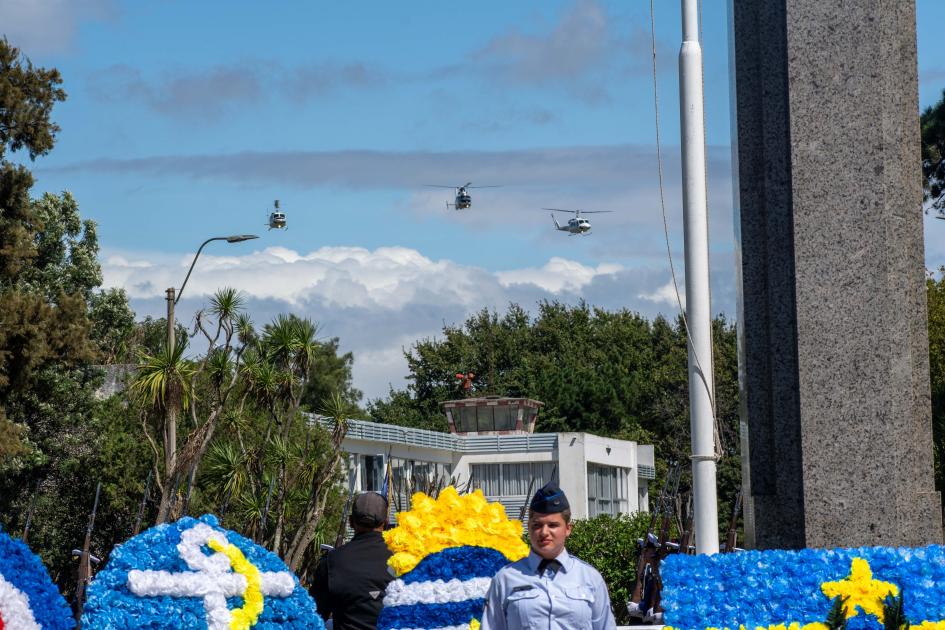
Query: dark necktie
[{"x": 554, "y": 565}]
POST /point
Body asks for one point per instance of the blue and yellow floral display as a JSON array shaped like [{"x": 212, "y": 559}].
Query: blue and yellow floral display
[
  {"x": 794, "y": 590},
  {"x": 28, "y": 598},
  {"x": 195, "y": 574},
  {"x": 446, "y": 551}
]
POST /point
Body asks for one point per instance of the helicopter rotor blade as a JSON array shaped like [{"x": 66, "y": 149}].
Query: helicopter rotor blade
[
  {"x": 484, "y": 186},
  {"x": 578, "y": 211},
  {"x": 440, "y": 186}
]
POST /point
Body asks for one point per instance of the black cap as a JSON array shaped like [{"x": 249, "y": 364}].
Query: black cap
[
  {"x": 550, "y": 499},
  {"x": 369, "y": 509}
]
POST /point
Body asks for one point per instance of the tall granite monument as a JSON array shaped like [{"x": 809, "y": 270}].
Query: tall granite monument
[{"x": 834, "y": 340}]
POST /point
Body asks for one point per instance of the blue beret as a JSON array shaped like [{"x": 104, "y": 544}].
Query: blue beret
[{"x": 549, "y": 499}]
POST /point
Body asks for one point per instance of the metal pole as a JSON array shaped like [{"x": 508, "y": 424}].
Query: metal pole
[
  {"x": 698, "y": 308},
  {"x": 170, "y": 411}
]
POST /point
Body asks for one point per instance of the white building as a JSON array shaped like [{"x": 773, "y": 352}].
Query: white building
[{"x": 491, "y": 446}]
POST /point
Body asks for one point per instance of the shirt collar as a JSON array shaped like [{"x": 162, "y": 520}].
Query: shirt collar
[{"x": 564, "y": 558}]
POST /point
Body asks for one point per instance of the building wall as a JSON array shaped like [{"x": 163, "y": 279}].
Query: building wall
[{"x": 571, "y": 453}]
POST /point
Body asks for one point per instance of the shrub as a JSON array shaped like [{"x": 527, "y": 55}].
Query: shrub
[{"x": 609, "y": 544}]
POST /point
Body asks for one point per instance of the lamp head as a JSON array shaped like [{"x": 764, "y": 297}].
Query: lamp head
[{"x": 239, "y": 238}]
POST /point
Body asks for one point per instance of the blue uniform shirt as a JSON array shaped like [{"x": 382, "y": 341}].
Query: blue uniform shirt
[{"x": 573, "y": 598}]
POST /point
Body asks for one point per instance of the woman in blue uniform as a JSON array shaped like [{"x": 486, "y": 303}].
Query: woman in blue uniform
[{"x": 550, "y": 589}]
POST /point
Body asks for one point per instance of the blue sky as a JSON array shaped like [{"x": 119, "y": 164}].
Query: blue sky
[{"x": 185, "y": 120}]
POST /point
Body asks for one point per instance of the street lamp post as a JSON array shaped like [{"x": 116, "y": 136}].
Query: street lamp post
[{"x": 170, "y": 425}]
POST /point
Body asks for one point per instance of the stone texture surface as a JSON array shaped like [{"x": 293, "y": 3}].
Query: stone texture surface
[{"x": 833, "y": 329}]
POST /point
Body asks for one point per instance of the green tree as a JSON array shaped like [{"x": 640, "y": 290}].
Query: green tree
[
  {"x": 932, "y": 123},
  {"x": 113, "y": 325},
  {"x": 49, "y": 278},
  {"x": 612, "y": 373},
  {"x": 249, "y": 452},
  {"x": 330, "y": 374},
  {"x": 28, "y": 335},
  {"x": 936, "y": 308}
]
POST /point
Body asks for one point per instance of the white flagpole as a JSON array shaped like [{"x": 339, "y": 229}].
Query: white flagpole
[{"x": 698, "y": 308}]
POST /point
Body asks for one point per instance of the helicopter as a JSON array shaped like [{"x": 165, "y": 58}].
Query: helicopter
[
  {"x": 576, "y": 225},
  {"x": 463, "y": 198},
  {"x": 277, "y": 218}
]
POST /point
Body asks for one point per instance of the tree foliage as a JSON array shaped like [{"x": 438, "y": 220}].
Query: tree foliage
[
  {"x": 932, "y": 123},
  {"x": 613, "y": 373},
  {"x": 936, "y": 308},
  {"x": 48, "y": 276},
  {"x": 47, "y": 254},
  {"x": 248, "y": 449}
]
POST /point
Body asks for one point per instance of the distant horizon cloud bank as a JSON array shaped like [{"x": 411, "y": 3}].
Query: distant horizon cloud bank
[{"x": 379, "y": 302}]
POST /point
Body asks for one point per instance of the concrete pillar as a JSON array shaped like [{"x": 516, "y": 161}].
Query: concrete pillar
[{"x": 832, "y": 309}]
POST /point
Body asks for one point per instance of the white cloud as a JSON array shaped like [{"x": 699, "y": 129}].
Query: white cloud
[
  {"x": 39, "y": 27},
  {"x": 666, "y": 294},
  {"x": 557, "y": 275},
  {"x": 378, "y": 302}
]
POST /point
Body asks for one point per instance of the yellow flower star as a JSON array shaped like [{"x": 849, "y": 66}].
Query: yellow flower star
[{"x": 861, "y": 590}]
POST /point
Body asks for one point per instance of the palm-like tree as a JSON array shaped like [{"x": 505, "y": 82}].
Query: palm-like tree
[
  {"x": 320, "y": 483},
  {"x": 164, "y": 381}
]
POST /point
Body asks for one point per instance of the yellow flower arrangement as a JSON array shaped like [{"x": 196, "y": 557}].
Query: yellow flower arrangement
[
  {"x": 245, "y": 617},
  {"x": 452, "y": 520},
  {"x": 860, "y": 590},
  {"x": 780, "y": 626}
]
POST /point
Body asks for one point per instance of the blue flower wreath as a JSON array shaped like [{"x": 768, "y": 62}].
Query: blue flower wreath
[
  {"x": 26, "y": 589},
  {"x": 155, "y": 552},
  {"x": 439, "y": 607},
  {"x": 762, "y": 588}
]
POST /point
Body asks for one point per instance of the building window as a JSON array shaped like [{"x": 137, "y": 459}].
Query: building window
[
  {"x": 407, "y": 476},
  {"x": 485, "y": 418},
  {"x": 606, "y": 490},
  {"x": 372, "y": 472},
  {"x": 511, "y": 480}
]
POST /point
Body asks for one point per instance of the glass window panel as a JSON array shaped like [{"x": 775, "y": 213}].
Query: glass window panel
[
  {"x": 469, "y": 419},
  {"x": 606, "y": 489},
  {"x": 504, "y": 419},
  {"x": 484, "y": 419}
]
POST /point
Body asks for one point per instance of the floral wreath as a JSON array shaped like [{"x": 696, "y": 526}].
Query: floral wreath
[
  {"x": 28, "y": 598},
  {"x": 445, "y": 552},
  {"x": 195, "y": 574},
  {"x": 809, "y": 589}
]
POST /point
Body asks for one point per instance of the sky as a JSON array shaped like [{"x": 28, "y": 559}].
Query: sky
[{"x": 186, "y": 120}]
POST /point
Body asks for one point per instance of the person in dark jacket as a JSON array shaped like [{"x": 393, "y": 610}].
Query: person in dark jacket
[{"x": 350, "y": 581}]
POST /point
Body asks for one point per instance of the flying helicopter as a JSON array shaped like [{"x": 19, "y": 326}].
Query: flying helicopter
[
  {"x": 463, "y": 198},
  {"x": 577, "y": 224},
  {"x": 277, "y": 218}
]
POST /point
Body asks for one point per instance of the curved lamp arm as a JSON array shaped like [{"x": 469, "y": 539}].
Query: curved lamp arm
[{"x": 229, "y": 239}]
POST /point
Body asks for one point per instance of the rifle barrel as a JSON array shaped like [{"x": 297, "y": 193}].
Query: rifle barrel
[
  {"x": 343, "y": 526},
  {"x": 144, "y": 500},
  {"x": 29, "y": 513},
  {"x": 85, "y": 568}
]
